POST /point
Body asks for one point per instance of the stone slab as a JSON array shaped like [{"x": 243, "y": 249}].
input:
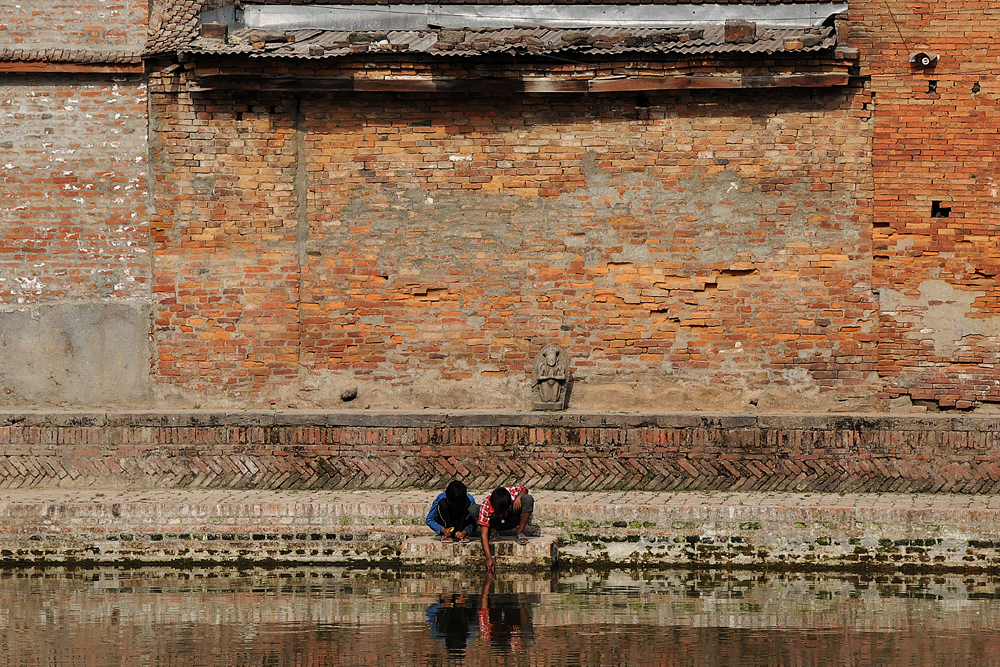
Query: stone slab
[{"x": 428, "y": 552}]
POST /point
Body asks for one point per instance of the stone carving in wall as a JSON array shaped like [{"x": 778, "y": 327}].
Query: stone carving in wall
[{"x": 551, "y": 380}]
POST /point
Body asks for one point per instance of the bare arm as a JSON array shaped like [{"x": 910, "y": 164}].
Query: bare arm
[
  {"x": 484, "y": 532},
  {"x": 516, "y": 504}
]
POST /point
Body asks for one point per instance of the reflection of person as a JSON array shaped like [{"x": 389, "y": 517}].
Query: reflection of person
[
  {"x": 550, "y": 374},
  {"x": 504, "y": 625},
  {"x": 453, "y": 514},
  {"x": 452, "y": 619},
  {"x": 505, "y": 509}
]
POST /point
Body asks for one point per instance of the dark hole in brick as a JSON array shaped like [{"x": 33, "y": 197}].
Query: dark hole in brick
[
  {"x": 316, "y": 536},
  {"x": 228, "y": 536},
  {"x": 975, "y": 87},
  {"x": 938, "y": 211},
  {"x": 156, "y": 538},
  {"x": 258, "y": 537},
  {"x": 642, "y": 101},
  {"x": 184, "y": 536},
  {"x": 931, "y": 87},
  {"x": 286, "y": 536},
  {"x": 300, "y": 536}
]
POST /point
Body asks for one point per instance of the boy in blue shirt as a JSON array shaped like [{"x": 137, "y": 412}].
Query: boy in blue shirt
[{"x": 453, "y": 514}]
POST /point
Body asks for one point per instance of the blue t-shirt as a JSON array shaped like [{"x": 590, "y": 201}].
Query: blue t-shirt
[{"x": 432, "y": 515}]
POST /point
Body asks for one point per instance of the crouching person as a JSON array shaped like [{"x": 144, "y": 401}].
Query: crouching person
[
  {"x": 505, "y": 509},
  {"x": 453, "y": 514}
]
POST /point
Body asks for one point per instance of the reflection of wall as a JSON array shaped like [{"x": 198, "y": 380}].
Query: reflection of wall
[
  {"x": 438, "y": 242},
  {"x": 332, "y": 617}
]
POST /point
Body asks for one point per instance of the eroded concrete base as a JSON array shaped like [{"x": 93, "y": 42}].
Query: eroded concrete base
[{"x": 85, "y": 354}]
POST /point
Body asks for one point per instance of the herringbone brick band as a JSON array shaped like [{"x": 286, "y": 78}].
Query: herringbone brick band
[{"x": 559, "y": 452}]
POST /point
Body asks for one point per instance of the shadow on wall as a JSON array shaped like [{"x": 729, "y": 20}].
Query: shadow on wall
[{"x": 75, "y": 354}]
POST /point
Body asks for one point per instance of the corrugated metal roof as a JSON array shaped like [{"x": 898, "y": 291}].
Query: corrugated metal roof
[
  {"x": 174, "y": 23},
  {"x": 523, "y": 2},
  {"x": 705, "y": 40}
]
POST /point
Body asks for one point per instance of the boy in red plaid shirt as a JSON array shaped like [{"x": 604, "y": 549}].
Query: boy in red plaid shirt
[{"x": 504, "y": 509}]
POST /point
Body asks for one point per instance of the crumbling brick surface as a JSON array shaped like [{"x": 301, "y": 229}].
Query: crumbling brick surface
[
  {"x": 936, "y": 256},
  {"x": 79, "y": 25},
  {"x": 718, "y": 236},
  {"x": 73, "y": 199}
]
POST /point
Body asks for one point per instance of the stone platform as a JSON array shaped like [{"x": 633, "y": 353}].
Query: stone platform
[
  {"x": 579, "y": 529},
  {"x": 540, "y": 553}
]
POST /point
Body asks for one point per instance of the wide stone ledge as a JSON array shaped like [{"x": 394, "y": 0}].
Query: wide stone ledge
[
  {"x": 879, "y": 532},
  {"x": 474, "y": 419}
]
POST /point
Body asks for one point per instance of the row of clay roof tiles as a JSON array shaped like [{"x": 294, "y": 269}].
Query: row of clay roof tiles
[
  {"x": 61, "y": 55},
  {"x": 314, "y": 44}
]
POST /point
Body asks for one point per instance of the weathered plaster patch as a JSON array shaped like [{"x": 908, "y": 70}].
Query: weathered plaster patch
[{"x": 940, "y": 314}]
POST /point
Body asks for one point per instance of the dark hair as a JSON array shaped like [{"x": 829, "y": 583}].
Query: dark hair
[
  {"x": 456, "y": 494},
  {"x": 500, "y": 499}
]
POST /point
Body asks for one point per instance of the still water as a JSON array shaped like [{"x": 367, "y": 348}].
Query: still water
[{"x": 336, "y": 616}]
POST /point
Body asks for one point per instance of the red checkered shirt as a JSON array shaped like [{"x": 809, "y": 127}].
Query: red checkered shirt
[{"x": 486, "y": 509}]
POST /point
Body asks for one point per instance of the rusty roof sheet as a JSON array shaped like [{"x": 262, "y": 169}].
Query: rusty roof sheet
[
  {"x": 704, "y": 40},
  {"x": 173, "y": 24},
  {"x": 524, "y": 2}
]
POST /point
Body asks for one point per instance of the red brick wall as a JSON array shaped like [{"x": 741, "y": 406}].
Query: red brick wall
[
  {"x": 226, "y": 262},
  {"x": 937, "y": 275},
  {"x": 73, "y": 199},
  {"x": 74, "y": 24},
  {"x": 709, "y": 237}
]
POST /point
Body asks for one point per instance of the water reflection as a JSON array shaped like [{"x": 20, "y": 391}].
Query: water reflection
[
  {"x": 503, "y": 620},
  {"x": 334, "y": 616},
  {"x": 453, "y": 619}
]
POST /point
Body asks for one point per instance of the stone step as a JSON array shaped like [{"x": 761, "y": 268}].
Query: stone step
[
  {"x": 787, "y": 530},
  {"x": 428, "y": 552}
]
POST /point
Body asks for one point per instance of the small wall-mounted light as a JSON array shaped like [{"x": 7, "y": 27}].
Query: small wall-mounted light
[{"x": 924, "y": 58}]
